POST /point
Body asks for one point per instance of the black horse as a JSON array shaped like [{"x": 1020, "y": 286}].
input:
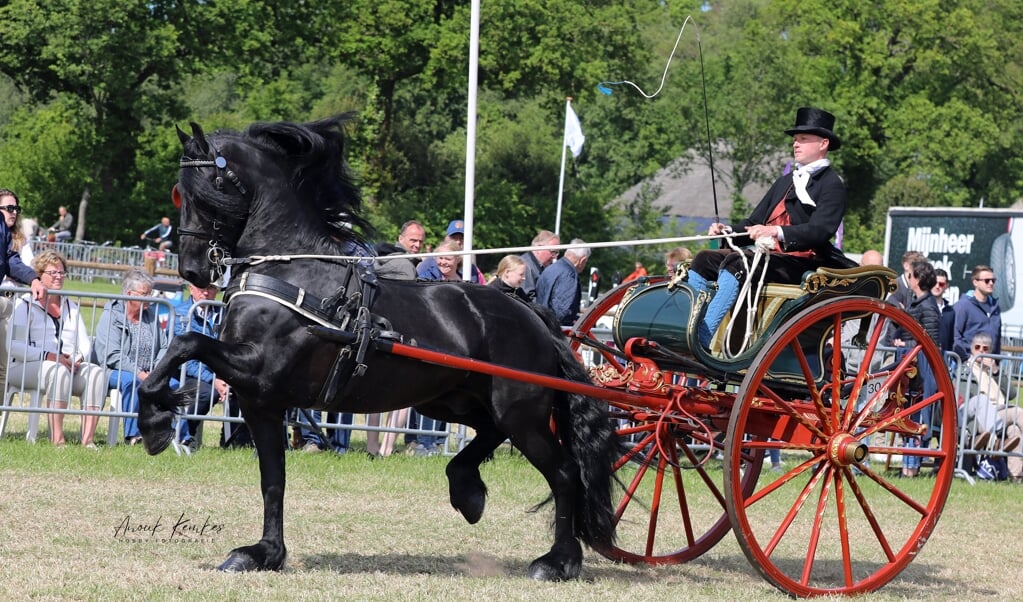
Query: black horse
[{"x": 283, "y": 189}]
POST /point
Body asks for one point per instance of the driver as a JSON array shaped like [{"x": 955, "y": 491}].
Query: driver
[{"x": 799, "y": 215}]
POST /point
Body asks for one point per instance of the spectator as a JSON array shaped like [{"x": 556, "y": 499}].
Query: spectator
[
  {"x": 903, "y": 295},
  {"x": 12, "y": 266},
  {"x": 50, "y": 350},
  {"x": 338, "y": 439},
  {"x": 978, "y": 311},
  {"x": 129, "y": 342},
  {"x": 204, "y": 319},
  {"x": 21, "y": 241},
  {"x": 853, "y": 347},
  {"x": 676, "y": 256},
  {"x": 443, "y": 267},
  {"x": 948, "y": 317},
  {"x": 61, "y": 229},
  {"x": 511, "y": 273},
  {"x": 639, "y": 272},
  {"x": 990, "y": 423},
  {"x": 160, "y": 234},
  {"x": 410, "y": 240},
  {"x": 871, "y": 257},
  {"x": 558, "y": 286},
  {"x": 924, "y": 309},
  {"x": 798, "y": 216},
  {"x": 456, "y": 235},
  {"x": 538, "y": 260}
]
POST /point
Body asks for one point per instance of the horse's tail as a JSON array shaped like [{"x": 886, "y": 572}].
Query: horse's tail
[
  {"x": 586, "y": 431},
  {"x": 157, "y": 407}
]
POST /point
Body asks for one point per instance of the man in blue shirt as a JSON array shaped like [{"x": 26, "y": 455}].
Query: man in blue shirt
[
  {"x": 977, "y": 311},
  {"x": 558, "y": 285}
]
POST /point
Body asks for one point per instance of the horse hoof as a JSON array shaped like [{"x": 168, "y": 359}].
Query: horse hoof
[
  {"x": 542, "y": 569},
  {"x": 472, "y": 509},
  {"x": 238, "y": 563},
  {"x": 156, "y": 443}
]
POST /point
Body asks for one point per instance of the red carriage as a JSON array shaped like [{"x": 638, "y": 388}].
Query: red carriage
[{"x": 833, "y": 520}]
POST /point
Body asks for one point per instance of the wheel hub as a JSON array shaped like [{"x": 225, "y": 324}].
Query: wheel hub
[{"x": 844, "y": 450}]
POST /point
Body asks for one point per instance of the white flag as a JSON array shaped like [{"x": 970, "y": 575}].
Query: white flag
[{"x": 573, "y": 132}]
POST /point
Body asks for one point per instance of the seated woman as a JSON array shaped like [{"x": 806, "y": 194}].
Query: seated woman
[
  {"x": 129, "y": 342},
  {"x": 799, "y": 215},
  {"x": 990, "y": 423},
  {"x": 50, "y": 349}
]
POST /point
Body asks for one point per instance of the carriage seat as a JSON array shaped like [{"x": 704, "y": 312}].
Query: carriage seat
[
  {"x": 869, "y": 280},
  {"x": 779, "y": 301}
]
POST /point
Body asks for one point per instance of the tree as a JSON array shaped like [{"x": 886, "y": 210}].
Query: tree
[{"x": 108, "y": 63}]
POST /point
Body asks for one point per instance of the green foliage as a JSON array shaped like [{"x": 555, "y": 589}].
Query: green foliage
[{"x": 42, "y": 151}]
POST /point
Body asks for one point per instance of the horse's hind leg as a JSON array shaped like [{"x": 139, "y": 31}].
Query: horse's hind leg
[
  {"x": 466, "y": 489},
  {"x": 541, "y": 448},
  {"x": 269, "y": 552}
]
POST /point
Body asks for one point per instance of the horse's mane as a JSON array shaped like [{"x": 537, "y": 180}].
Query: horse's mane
[
  {"x": 319, "y": 173},
  {"x": 313, "y": 156}
]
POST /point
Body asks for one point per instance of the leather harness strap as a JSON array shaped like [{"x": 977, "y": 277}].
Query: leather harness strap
[{"x": 285, "y": 293}]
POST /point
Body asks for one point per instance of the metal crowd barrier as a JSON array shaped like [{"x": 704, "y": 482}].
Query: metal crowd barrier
[
  {"x": 19, "y": 398},
  {"x": 90, "y": 262},
  {"x": 91, "y": 306}
]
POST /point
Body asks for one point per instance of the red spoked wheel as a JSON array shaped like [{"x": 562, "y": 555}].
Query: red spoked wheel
[
  {"x": 591, "y": 337},
  {"x": 669, "y": 462},
  {"x": 837, "y": 520}
]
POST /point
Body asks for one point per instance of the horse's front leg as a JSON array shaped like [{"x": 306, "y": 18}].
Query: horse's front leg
[
  {"x": 158, "y": 402},
  {"x": 269, "y": 553}
]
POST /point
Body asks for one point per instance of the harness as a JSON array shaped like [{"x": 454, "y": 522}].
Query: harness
[{"x": 347, "y": 309}]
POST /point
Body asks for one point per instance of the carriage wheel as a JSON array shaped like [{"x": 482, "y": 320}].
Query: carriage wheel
[
  {"x": 669, "y": 462},
  {"x": 588, "y": 328},
  {"x": 836, "y": 520}
]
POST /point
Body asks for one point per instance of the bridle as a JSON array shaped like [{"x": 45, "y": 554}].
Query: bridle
[{"x": 218, "y": 254}]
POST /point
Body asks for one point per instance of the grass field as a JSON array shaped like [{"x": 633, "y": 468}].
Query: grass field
[{"x": 382, "y": 529}]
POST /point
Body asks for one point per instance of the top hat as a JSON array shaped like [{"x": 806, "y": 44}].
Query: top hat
[
  {"x": 816, "y": 121},
  {"x": 456, "y": 227}
]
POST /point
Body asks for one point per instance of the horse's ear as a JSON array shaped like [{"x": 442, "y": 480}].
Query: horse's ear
[
  {"x": 200, "y": 138},
  {"x": 182, "y": 136},
  {"x": 176, "y": 196}
]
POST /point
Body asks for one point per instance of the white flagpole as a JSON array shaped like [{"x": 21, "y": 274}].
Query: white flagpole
[
  {"x": 561, "y": 180},
  {"x": 470, "y": 136}
]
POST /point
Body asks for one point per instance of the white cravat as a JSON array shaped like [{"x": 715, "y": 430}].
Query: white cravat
[{"x": 801, "y": 176}]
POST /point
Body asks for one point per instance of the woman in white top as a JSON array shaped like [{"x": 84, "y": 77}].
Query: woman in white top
[{"x": 50, "y": 349}]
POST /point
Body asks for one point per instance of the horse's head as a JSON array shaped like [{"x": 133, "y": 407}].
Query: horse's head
[{"x": 275, "y": 188}]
